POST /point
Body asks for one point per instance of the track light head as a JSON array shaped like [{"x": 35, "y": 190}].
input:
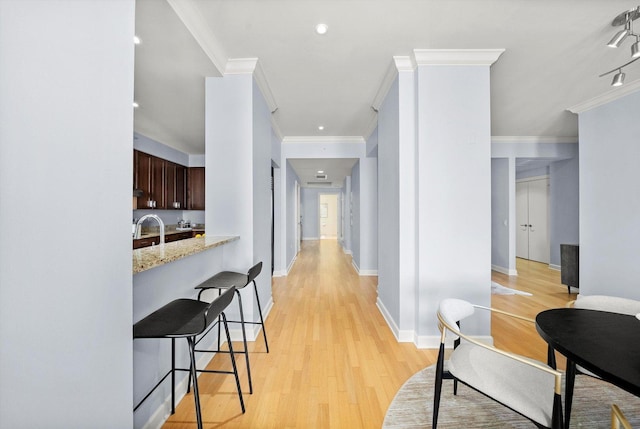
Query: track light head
[
  {"x": 618, "y": 79},
  {"x": 635, "y": 49},
  {"x": 618, "y": 38}
]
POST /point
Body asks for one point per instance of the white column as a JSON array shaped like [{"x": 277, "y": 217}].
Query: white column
[
  {"x": 454, "y": 183},
  {"x": 66, "y": 139}
]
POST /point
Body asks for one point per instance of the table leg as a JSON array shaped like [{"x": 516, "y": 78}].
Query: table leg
[
  {"x": 568, "y": 392},
  {"x": 551, "y": 357}
]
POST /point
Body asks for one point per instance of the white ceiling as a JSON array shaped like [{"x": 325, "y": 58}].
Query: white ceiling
[{"x": 554, "y": 52}]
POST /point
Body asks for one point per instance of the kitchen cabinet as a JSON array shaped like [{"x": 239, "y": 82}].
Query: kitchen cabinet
[
  {"x": 163, "y": 183},
  {"x": 167, "y": 185},
  {"x": 196, "y": 188},
  {"x": 176, "y": 186},
  {"x": 145, "y": 242},
  {"x": 149, "y": 178}
]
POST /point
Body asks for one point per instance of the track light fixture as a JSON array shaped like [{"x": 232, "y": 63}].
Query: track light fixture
[
  {"x": 626, "y": 19},
  {"x": 618, "y": 79}
]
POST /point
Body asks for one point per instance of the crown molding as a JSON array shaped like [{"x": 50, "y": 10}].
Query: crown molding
[
  {"x": 252, "y": 66},
  {"x": 466, "y": 57},
  {"x": 398, "y": 64},
  {"x": 533, "y": 139},
  {"x": 188, "y": 12},
  {"x": 605, "y": 98},
  {"x": 325, "y": 139},
  {"x": 371, "y": 126}
]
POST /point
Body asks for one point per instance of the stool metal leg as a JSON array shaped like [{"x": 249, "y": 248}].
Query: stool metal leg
[
  {"x": 194, "y": 374},
  {"x": 233, "y": 361},
  {"x": 244, "y": 340},
  {"x": 264, "y": 331},
  {"x": 173, "y": 375}
]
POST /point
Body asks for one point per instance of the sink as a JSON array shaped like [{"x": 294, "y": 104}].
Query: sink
[{"x": 184, "y": 229}]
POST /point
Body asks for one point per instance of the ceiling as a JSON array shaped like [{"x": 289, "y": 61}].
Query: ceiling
[{"x": 554, "y": 52}]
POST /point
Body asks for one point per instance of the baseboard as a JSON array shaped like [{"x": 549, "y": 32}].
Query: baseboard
[
  {"x": 555, "y": 267},
  {"x": 293, "y": 261},
  {"x": 363, "y": 272},
  {"x": 401, "y": 336},
  {"x": 347, "y": 251},
  {"x": 310, "y": 238},
  {"x": 279, "y": 273},
  {"x": 504, "y": 270}
]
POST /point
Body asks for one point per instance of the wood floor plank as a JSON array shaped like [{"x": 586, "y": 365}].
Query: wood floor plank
[{"x": 334, "y": 362}]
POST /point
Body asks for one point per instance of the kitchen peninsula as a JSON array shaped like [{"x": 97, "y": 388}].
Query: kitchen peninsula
[
  {"x": 153, "y": 256},
  {"x": 161, "y": 274}
]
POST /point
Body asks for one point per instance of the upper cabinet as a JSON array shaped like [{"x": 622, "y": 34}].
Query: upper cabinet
[
  {"x": 163, "y": 183},
  {"x": 176, "y": 186},
  {"x": 196, "y": 188}
]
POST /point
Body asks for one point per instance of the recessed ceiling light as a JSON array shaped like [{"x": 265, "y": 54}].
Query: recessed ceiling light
[
  {"x": 135, "y": 104},
  {"x": 136, "y": 40},
  {"x": 320, "y": 171},
  {"x": 321, "y": 127},
  {"x": 322, "y": 29}
]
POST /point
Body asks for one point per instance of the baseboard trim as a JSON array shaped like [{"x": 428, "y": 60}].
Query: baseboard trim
[
  {"x": 504, "y": 270},
  {"x": 280, "y": 273},
  {"x": 310, "y": 238},
  {"x": 293, "y": 261},
  {"x": 555, "y": 267},
  {"x": 400, "y": 336}
]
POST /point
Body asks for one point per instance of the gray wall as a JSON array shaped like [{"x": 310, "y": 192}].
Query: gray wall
[
  {"x": 609, "y": 198},
  {"x": 564, "y": 210},
  {"x": 66, "y": 93},
  {"x": 500, "y": 212},
  {"x": 291, "y": 221},
  {"x": 388, "y": 202}
]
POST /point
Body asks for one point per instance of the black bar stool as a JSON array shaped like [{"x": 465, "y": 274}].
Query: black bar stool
[
  {"x": 187, "y": 318},
  {"x": 226, "y": 280}
]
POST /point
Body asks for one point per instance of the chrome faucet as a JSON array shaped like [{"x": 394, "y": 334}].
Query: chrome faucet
[{"x": 150, "y": 216}]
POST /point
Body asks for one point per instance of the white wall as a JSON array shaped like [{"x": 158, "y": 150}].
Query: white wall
[
  {"x": 454, "y": 219},
  {"x": 238, "y": 196},
  {"x": 66, "y": 93},
  {"x": 609, "y": 198},
  {"x": 388, "y": 206}
]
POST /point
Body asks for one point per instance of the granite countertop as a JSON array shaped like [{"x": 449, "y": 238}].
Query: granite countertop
[{"x": 150, "y": 257}]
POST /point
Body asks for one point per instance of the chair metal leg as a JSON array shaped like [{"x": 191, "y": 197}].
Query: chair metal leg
[
  {"x": 244, "y": 340},
  {"x": 438, "y": 386},
  {"x": 194, "y": 375},
  {"x": 264, "y": 331},
  {"x": 233, "y": 361}
]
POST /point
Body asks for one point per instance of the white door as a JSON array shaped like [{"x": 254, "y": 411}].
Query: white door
[
  {"x": 532, "y": 216},
  {"x": 328, "y": 216},
  {"x": 539, "y": 220}
]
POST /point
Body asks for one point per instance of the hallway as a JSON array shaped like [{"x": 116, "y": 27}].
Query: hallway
[{"x": 333, "y": 362}]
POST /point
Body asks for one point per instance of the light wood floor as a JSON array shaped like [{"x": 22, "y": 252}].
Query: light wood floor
[{"x": 334, "y": 362}]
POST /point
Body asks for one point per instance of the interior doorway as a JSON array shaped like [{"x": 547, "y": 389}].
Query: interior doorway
[
  {"x": 532, "y": 216},
  {"x": 328, "y": 216}
]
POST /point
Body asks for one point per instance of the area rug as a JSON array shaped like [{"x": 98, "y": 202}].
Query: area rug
[
  {"x": 412, "y": 406},
  {"x": 498, "y": 289}
]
